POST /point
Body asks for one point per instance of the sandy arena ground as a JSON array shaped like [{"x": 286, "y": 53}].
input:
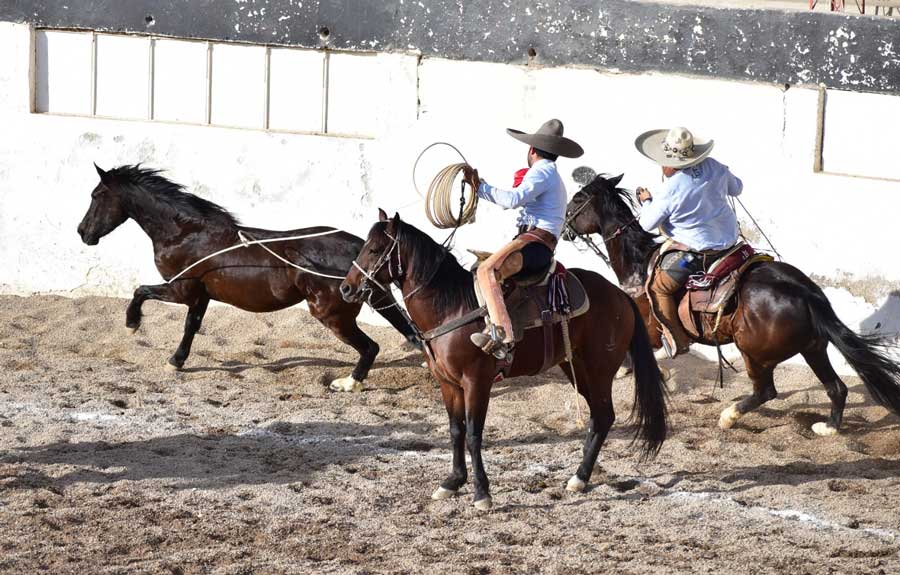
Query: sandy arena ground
[{"x": 246, "y": 463}]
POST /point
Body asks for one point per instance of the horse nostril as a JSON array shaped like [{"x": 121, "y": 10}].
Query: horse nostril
[{"x": 345, "y": 289}]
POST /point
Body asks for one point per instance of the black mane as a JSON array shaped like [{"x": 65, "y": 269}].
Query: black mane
[
  {"x": 617, "y": 206},
  {"x": 171, "y": 194},
  {"x": 454, "y": 287}
]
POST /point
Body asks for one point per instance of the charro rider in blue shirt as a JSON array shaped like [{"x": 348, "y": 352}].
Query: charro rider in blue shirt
[
  {"x": 541, "y": 198},
  {"x": 692, "y": 211}
]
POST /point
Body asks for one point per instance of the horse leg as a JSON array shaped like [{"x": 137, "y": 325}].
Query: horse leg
[
  {"x": 601, "y": 420},
  {"x": 837, "y": 391},
  {"x": 626, "y": 368},
  {"x": 161, "y": 292},
  {"x": 477, "y": 396},
  {"x": 454, "y": 402},
  {"x": 192, "y": 324},
  {"x": 341, "y": 320},
  {"x": 763, "y": 391}
]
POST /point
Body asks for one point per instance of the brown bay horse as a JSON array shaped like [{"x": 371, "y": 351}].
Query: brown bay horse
[
  {"x": 779, "y": 311},
  {"x": 185, "y": 228},
  {"x": 437, "y": 290}
]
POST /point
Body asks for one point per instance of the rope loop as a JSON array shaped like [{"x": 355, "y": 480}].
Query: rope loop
[{"x": 439, "y": 198}]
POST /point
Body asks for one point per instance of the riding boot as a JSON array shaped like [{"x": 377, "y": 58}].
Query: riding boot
[{"x": 664, "y": 288}]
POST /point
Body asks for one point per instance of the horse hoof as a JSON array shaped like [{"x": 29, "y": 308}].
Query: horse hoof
[
  {"x": 575, "y": 485},
  {"x": 624, "y": 372},
  {"x": 425, "y": 364},
  {"x": 346, "y": 384},
  {"x": 729, "y": 417},
  {"x": 172, "y": 368},
  {"x": 484, "y": 504},
  {"x": 823, "y": 429},
  {"x": 665, "y": 373},
  {"x": 440, "y": 494},
  {"x": 131, "y": 330}
]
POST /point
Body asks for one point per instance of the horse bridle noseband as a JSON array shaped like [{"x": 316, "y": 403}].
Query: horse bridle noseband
[{"x": 384, "y": 258}]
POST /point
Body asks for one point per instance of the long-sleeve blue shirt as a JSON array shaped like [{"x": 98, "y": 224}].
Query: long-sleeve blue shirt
[
  {"x": 541, "y": 197},
  {"x": 693, "y": 209}
]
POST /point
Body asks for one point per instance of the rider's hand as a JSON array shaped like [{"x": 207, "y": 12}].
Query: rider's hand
[
  {"x": 643, "y": 194},
  {"x": 471, "y": 176}
]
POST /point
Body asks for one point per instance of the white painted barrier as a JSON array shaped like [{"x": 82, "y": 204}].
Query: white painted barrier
[{"x": 837, "y": 228}]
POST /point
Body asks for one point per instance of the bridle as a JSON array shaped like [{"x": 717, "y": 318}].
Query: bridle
[
  {"x": 586, "y": 238},
  {"x": 385, "y": 258}
]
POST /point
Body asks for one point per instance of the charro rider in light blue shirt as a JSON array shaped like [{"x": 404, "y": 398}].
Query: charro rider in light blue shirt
[
  {"x": 541, "y": 197},
  {"x": 692, "y": 210}
]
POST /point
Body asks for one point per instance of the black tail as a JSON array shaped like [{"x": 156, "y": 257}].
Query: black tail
[
  {"x": 866, "y": 354},
  {"x": 650, "y": 393},
  {"x": 390, "y": 312}
]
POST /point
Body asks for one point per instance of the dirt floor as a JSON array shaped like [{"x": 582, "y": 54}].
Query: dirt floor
[{"x": 246, "y": 463}]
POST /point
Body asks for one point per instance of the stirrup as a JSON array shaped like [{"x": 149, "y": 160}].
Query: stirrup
[
  {"x": 666, "y": 348},
  {"x": 490, "y": 341},
  {"x": 669, "y": 349}
]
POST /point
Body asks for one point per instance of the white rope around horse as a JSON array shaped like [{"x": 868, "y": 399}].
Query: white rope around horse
[{"x": 245, "y": 243}]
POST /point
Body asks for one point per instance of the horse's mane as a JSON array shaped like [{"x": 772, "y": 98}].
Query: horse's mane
[
  {"x": 617, "y": 205},
  {"x": 435, "y": 266},
  {"x": 167, "y": 192}
]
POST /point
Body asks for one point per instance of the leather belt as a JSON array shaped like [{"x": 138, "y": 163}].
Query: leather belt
[{"x": 541, "y": 235}]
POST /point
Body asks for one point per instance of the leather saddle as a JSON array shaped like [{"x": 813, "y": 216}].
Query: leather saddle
[
  {"x": 529, "y": 302},
  {"x": 543, "y": 300},
  {"x": 710, "y": 295}
]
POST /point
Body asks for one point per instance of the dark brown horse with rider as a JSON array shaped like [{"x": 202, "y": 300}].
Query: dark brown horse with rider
[
  {"x": 777, "y": 313},
  {"x": 438, "y": 290}
]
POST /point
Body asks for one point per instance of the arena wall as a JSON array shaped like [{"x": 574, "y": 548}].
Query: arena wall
[{"x": 834, "y": 223}]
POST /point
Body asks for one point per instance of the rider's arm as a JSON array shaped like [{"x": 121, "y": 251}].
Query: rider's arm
[
  {"x": 735, "y": 185},
  {"x": 655, "y": 212},
  {"x": 533, "y": 185}
]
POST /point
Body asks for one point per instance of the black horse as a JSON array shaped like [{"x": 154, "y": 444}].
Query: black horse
[
  {"x": 185, "y": 229},
  {"x": 779, "y": 313}
]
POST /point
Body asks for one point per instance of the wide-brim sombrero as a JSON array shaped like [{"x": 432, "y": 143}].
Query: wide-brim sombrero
[
  {"x": 549, "y": 138},
  {"x": 674, "y": 148}
]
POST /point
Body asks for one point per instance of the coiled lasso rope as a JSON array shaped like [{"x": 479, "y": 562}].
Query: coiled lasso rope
[{"x": 439, "y": 206}]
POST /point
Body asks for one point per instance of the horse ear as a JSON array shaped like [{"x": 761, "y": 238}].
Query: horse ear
[
  {"x": 103, "y": 175},
  {"x": 392, "y": 224},
  {"x": 382, "y": 215},
  {"x": 615, "y": 181}
]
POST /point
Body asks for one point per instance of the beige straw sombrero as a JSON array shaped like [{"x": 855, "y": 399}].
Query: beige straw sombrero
[{"x": 674, "y": 148}]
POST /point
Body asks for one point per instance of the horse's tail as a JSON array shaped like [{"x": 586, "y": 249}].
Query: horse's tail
[
  {"x": 650, "y": 395},
  {"x": 866, "y": 354},
  {"x": 392, "y": 314}
]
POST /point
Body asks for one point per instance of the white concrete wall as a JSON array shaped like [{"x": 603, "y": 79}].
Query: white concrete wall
[{"x": 836, "y": 227}]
